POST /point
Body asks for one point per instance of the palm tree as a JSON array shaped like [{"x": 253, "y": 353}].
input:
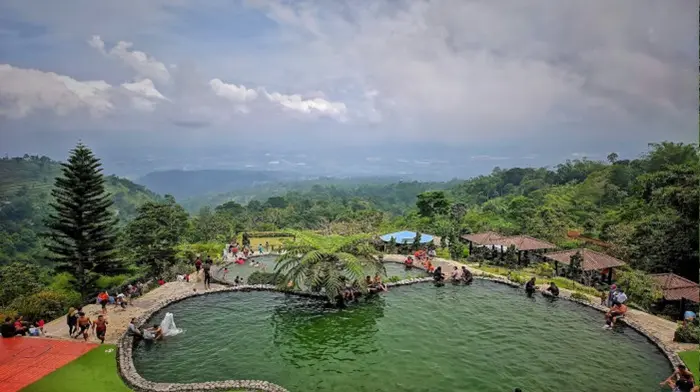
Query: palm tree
[{"x": 324, "y": 263}]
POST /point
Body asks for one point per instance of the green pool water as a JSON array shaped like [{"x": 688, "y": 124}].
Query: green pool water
[
  {"x": 483, "y": 337},
  {"x": 245, "y": 270}
]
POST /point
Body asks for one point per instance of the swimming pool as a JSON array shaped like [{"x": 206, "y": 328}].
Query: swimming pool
[{"x": 483, "y": 337}]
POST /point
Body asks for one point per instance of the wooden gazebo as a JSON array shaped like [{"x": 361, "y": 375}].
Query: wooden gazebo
[
  {"x": 592, "y": 261},
  {"x": 524, "y": 244},
  {"x": 485, "y": 238},
  {"x": 678, "y": 288}
]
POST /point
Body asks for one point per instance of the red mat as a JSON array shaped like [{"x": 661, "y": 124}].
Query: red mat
[{"x": 25, "y": 360}]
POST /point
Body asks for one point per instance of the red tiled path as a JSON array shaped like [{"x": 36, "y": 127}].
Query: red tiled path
[{"x": 25, "y": 360}]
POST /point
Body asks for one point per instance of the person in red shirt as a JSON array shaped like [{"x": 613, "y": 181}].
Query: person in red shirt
[
  {"x": 103, "y": 297},
  {"x": 198, "y": 264},
  {"x": 161, "y": 282}
]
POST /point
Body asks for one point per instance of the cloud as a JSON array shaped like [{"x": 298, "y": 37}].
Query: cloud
[
  {"x": 313, "y": 106},
  {"x": 273, "y": 163},
  {"x": 488, "y": 158},
  {"x": 144, "y": 65},
  {"x": 24, "y": 91},
  {"x": 232, "y": 92}
]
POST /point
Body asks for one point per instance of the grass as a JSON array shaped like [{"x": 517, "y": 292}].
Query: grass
[
  {"x": 692, "y": 361},
  {"x": 95, "y": 371}
]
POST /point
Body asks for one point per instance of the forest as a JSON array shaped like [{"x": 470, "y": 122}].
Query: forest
[{"x": 646, "y": 208}]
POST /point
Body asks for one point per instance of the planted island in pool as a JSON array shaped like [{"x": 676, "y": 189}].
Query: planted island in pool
[{"x": 483, "y": 337}]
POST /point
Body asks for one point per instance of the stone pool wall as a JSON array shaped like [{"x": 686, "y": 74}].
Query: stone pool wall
[{"x": 133, "y": 379}]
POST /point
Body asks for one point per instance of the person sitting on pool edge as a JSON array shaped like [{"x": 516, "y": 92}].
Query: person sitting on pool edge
[
  {"x": 378, "y": 283},
  {"x": 553, "y": 289},
  {"x": 681, "y": 380},
  {"x": 370, "y": 285},
  {"x": 467, "y": 277},
  {"x": 455, "y": 275},
  {"x": 618, "y": 310},
  {"x": 531, "y": 286}
]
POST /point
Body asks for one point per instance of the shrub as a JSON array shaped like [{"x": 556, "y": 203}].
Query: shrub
[
  {"x": 544, "y": 269},
  {"x": 47, "y": 305},
  {"x": 443, "y": 253},
  {"x": 188, "y": 252},
  {"x": 108, "y": 282},
  {"x": 393, "y": 279},
  {"x": 687, "y": 334},
  {"x": 259, "y": 277},
  {"x": 573, "y": 286},
  {"x": 580, "y": 296},
  {"x": 268, "y": 234},
  {"x": 180, "y": 268},
  {"x": 517, "y": 277},
  {"x": 63, "y": 282},
  {"x": 641, "y": 288}
]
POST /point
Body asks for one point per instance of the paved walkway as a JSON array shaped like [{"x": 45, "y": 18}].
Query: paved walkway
[
  {"x": 119, "y": 318},
  {"x": 661, "y": 328},
  {"x": 25, "y": 360}
]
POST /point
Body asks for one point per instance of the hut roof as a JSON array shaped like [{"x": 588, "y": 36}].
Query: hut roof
[
  {"x": 676, "y": 287},
  {"x": 524, "y": 242},
  {"x": 485, "y": 238},
  {"x": 592, "y": 260}
]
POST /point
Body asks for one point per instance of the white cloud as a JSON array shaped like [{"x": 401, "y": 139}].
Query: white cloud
[
  {"x": 273, "y": 163},
  {"x": 23, "y": 91},
  {"x": 488, "y": 158},
  {"x": 232, "y": 92},
  {"x": 144, "y": 65},
  {"x": 313, "y": 106},
  {"x": 144, "y": 95}
]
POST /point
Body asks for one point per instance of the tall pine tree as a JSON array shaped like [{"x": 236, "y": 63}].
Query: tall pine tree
[{"x": 82, "y": 228}]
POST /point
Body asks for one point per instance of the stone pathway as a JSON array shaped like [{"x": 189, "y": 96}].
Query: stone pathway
[
  {"x": 119, "y": 318},
  {"x": 661, "y": 328}
]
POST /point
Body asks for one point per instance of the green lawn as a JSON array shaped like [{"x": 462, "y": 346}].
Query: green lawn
[
  {"x": 692, "y": 361},
  {"x": 95, "y": 371}
]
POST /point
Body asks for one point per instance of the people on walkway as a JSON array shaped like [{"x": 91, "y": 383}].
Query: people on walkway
[
  {"x": 207, "y": 273},
  {"x": 198, "y": 263},
  {"x": 553, "y": 289},
  {"x": 99, "y": 328},
  {"x": 260, "y": 249},
  {"x": 72, "y": 320},
  {"x": 103, "y": 300},
  {"x": 531, "y": 286},
  {"x": 84, "y": 323}
]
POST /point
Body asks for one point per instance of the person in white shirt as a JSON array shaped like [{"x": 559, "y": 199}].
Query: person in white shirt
[{"x": 132, "y": 330}]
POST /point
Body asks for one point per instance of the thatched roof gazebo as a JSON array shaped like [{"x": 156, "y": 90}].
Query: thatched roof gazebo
[
  {"x": 677, "y": 288},
  {"x": 481, "y": 239},
  {"x": 592, "y": 260},
  {"x": 524, "y": 243}
]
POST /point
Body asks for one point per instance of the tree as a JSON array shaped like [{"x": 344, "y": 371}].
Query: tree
[
  {"x": 641, "y": 288},
  {"x": 82, "y": 228},
  {"x": 432, "y": 203},
  {"x": 416, "y": 242},
  {"x": 612, "y": 158},
  {"x": 151, "y": 238},
  {"x": 19, "y": 279},
  {"x": 324, "y": 264},
  {"x": 575, "y": 269}
]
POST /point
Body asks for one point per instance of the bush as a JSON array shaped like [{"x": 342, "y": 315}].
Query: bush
[
  {"x": 580, "y": 296},
  {"x": 181, "y": 268},
  {"x": 394, "y": 279},
  {"x": 108, "y": 282},
  {"x": 641, "y": 288},
  {"x": 188, "y": 252},
  {"x": 63, "y": 282},
  {"x": 268, "y": 234},
  {"x": 259, "y": 277},
  {"x": 517, "y": 277},
  {"x": 687, "y": 334},
  {"x": 569, "y": 284},
  {"x": 47, "y": 305},
  {"x": 544, "y": 269},
  {"x": 443, "y": 253}
]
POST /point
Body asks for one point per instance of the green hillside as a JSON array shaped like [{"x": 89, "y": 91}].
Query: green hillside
[{"x": 25, "y": 194}]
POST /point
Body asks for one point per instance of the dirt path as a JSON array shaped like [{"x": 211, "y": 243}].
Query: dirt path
[{"x": 661, "y": 328}]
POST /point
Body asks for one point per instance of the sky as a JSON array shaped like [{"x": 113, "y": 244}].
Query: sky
[{"x": 436, "y": 88}]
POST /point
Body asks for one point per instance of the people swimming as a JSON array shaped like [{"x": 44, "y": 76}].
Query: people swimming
[
  {"x": 681, "y": 380},
  {"x": 378, "y": 283},
  {"x": 429, "y": 267},
  {"x": 438, "y": 276},
  {"x": 153, "y": 333},
  {"x": 467, "y": 277},
  {"x": 531, "y": 286},
  {"x": 408, "y": 263},
  {"x": 455, "y": 275},
  {"x": 553, "y": 289}
]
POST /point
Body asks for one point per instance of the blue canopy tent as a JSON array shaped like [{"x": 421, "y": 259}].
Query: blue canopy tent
[{"x": 406, "y": 237}]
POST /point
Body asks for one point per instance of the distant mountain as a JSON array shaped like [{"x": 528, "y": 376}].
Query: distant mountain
[
  {"x": 185, "y": 184},
  {"x": 361, "y": 186}
]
